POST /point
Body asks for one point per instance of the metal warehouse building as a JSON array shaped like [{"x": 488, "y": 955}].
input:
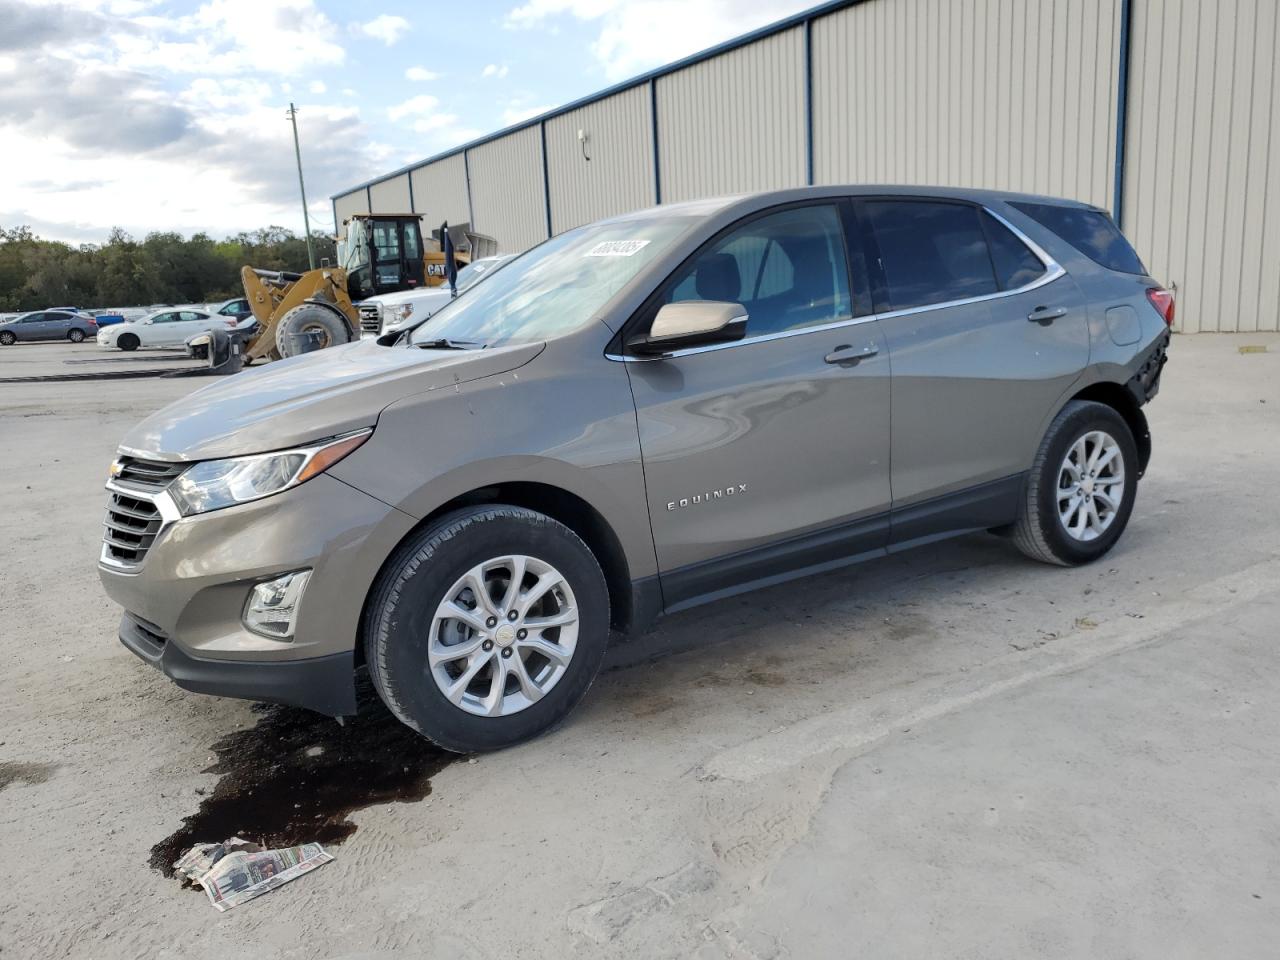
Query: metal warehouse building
[{"x": 1164, "y": 111}]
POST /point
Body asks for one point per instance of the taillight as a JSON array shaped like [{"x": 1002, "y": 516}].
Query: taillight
[{"x": 1162, "y": 300}]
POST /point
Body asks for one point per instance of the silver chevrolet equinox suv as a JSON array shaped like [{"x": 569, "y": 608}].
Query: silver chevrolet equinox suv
[{"x": 637, "y": 416}]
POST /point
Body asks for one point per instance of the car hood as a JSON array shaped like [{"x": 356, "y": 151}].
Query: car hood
[{"x": 293, "y": 402}]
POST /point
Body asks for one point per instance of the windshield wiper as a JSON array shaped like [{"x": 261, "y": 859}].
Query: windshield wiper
[{"x": 444, "y": 343}]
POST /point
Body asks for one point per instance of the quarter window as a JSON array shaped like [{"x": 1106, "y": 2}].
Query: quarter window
[
  {"x": 931, "y": 252},
  {"x": 787, "y": 269},
  {"x": 1015, "y": 264}
]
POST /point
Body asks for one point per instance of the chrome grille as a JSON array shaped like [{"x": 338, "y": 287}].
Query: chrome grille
[
  {"x": 132, "y": 525},
  {"x": 370, "y": 318},
  {"x": 148, "y": 473}
]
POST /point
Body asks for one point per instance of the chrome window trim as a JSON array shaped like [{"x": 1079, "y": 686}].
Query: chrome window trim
[
  {"x": 169, "y": 515},
  {"x": 1052, "y": 271}
]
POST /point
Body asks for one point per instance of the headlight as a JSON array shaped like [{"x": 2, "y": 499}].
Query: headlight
[
  {"x": 402, "y": 312},
  {"x": 215, "y": 484}
]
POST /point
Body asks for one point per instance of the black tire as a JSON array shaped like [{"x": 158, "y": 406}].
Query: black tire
[
  {"x": 8, "y": 338},
  {"x": 128, "y": 341},
  {"x": 310, "y": 317},
  {"x": 75, "y": 336},
  {"x": 1040, "y": 532},
  {"x": 397, "y": 622}
]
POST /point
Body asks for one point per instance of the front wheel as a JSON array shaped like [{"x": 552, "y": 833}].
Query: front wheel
[
  {"x": 128, "y": 341},
  {"x": 487, "y": 628},
  {"x": 1081, "y": 488},
  {"x": 309, "y": 318},
  {"x": 8, "y": 338}
]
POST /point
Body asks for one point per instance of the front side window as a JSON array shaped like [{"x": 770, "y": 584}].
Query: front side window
[
  {"x": 189, "y": 315},
  {"x": 787, "y": 269},
  {"x": 930, "y": 252},
  {"x": 33, "y": 318},
  {"x": 164, "y": 318}
]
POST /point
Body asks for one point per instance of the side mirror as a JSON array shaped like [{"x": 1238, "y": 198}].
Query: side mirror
[{"x": 692, "y": 323}]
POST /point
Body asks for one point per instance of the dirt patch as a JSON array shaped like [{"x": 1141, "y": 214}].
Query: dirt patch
[
  {"x": 17, "y": 771},
  {"x": 295, "y": 776}
]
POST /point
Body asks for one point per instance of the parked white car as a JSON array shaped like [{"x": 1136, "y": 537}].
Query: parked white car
[
  {"x": 387, "y": 311},
  {"x": 164, "y": 328}
]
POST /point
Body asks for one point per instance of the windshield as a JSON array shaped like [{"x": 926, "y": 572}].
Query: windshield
[
  {"x": 556, "y": 287},
  {"x": 472, "y": 272},
  {"x": 356, "y": 252}
]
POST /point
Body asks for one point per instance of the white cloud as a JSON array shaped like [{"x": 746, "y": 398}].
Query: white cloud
[
  {"x": 420, "y": 74},
  {"x": 388, "y": 28},
  {"x": 515, "y": 113},
  {"x": 493, "y": 70},
  {"x": 317, "y": 86},
  {"x": 637, "y": 35},
  {"x": 421, "y": 105}
]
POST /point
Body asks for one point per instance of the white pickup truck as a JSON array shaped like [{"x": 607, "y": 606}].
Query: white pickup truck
[{"x": 387, "y": 311}]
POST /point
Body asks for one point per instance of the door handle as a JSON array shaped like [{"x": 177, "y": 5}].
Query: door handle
[
  {"x": 1046, "y": 314},
  {"x": 846, "y": 355}
]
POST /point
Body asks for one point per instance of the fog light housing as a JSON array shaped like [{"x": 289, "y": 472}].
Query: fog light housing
[{"x": 272, "y": 607}]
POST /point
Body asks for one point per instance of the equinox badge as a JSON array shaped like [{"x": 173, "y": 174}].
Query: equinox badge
[{"x": 707, "y": 496}]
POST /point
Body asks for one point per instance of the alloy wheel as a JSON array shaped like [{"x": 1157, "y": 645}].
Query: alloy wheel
[
  {"x": 503, "y": 635},
  {"x": 1090, "y": 485}
]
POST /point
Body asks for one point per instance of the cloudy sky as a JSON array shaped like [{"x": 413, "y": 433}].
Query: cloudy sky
[{"x": 158, "y": 115}]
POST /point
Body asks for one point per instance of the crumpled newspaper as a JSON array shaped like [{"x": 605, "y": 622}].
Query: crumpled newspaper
[{"x": 237, "y": 870}]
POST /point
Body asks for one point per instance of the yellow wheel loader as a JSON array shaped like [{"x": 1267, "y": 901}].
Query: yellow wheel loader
[{"x": 382, "y": 253}]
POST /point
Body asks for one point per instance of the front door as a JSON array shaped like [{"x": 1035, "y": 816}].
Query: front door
[
  {"x": 973, "y": 376},
  {"x": 770, "y": 454},
  {"x": 34, "y": 327}
]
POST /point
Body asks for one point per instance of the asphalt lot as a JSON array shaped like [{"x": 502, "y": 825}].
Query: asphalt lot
[{"x": 954, "y": 752}]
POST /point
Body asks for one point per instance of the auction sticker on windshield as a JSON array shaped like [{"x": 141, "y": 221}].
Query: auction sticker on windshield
[{"x": 616, "y": 248}]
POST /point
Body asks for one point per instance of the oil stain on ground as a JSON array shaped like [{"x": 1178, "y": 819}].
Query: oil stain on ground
[{"x": 295, "y": 776}]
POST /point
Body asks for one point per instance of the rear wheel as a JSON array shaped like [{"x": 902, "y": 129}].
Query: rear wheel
[
  {"x": 1082, "y": 486},
  {"x": 128, "y": 341},
  {"x": 310, "y": 318},
  {"x": 8, "y": 338},
  {"x": 487, "y": 628},
  {"x": 75, "y": 336}
]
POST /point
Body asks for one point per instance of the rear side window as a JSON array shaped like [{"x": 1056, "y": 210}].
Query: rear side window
[
  {"x": 1015, "y": 264},
  {"x": 931, "y": 252},
  {"x": 1092, "y": 232}
]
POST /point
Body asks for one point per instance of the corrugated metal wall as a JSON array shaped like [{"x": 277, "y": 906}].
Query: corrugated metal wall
[
  {"x": 619, "y": 175},
  {"x": 734, "y": 124},
  {"x": 390, "y": 196},
  {"x": 508, "y": 197},
  {"x": 347, "y": 204},
  {"x": 440, "y": 192},
  {"x": 1008, "y": 94},
  {"x": 1202, "y": 201}
]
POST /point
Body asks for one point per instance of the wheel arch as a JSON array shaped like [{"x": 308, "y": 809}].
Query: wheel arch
[
  {"x": 566, "y": 508},
  {"x": 1121, "y": 400}
]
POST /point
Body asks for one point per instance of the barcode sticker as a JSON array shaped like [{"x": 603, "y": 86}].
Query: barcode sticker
[{"x": 616, "y": 248}]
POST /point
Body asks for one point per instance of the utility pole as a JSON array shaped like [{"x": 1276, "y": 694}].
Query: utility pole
[{"x": 302, "y": 187}]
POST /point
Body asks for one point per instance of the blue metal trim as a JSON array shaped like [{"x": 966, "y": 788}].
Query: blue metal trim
[
  {"x": 808, "y": 102},
  {"x": 412, "y": 209},
  {"x": 653, "y": 131},
  {"x": 546, "y": 181},
  {"x": 745, "y": 39},
  {"x": 1122, "y": 111},
  {"x": 368, "y": 197}
]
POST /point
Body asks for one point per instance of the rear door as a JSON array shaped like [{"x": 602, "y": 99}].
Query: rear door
[
  {"x": 56, "y": 325},
  {"x": 986, "y": 334},
  {"x": 770, "y": 454}
]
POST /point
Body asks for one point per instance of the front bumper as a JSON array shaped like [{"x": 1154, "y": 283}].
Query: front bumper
[
  {"x": 323, "y": 684},
  {"x": 185, "y": 599}
]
